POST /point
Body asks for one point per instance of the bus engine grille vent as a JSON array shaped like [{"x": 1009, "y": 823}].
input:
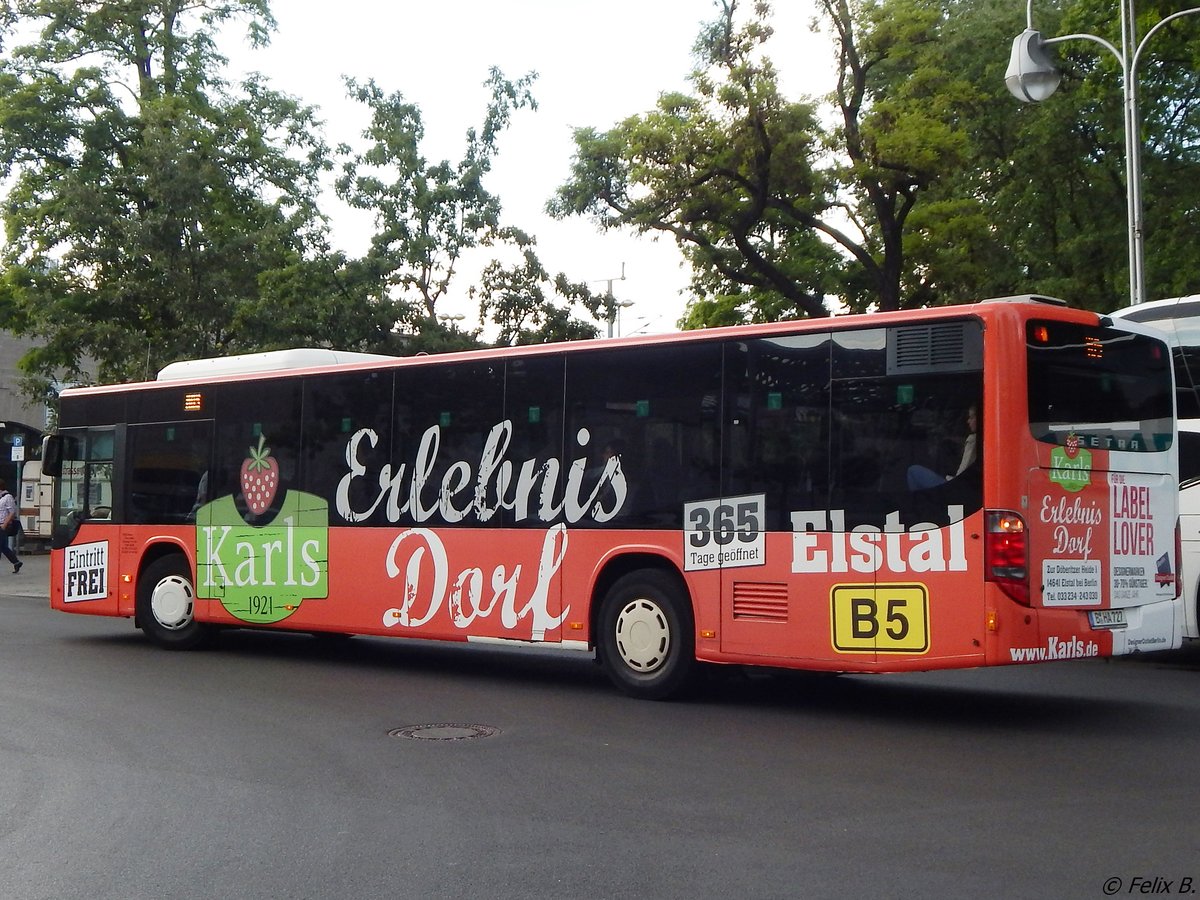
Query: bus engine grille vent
[
  {"x": 940, "y": 347},
  {"x": 760, "y": 602}
]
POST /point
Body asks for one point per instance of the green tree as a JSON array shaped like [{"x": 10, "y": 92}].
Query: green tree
[
  {"x": 530, "y": 306},
  {"x": 427, "y": 214},
  {"x": 1055, "y": 171},
  {"x": 431, "y": 217},
  {"x": 778, "y": 214},
  {"x": 920, "y": 180},
  {"x": 1036, "y": 201},
  {"x": 900, "y": 133},
  {"x": 730, "y": 172},
  {"x": 150, "y": 201}
]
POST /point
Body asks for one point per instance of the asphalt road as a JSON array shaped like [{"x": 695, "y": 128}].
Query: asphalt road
[{"x": 283, "y": 766}]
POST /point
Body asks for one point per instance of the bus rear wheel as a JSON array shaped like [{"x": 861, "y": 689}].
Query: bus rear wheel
[
  {"x": 645, "y": 638},
  {"x": 166, "y": 605}
]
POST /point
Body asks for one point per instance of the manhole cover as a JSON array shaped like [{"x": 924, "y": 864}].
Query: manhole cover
[{"x": 444, "y": 732}]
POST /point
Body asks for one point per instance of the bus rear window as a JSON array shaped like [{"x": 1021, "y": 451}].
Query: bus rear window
[{"x": 1105, "y": 388}]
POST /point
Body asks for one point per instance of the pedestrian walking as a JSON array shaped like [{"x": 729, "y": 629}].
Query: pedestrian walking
[{"x": 10, "y": 526}]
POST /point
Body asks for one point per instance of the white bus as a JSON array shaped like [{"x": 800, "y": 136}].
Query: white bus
[{"x": 1179, "y": 318}]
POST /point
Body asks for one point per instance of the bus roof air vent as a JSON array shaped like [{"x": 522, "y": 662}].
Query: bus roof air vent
[
  {"x": 1027, "y": 298},
  {"x": 938, "y": 347},
  {"x": 270, "y": 361}
]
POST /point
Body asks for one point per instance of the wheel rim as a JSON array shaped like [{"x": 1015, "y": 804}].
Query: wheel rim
[
  {"x": 172, "y": 603},
  {"x": 643, "y": 636}
]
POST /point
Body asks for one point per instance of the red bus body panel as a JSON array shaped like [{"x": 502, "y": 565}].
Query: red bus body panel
[{"x": 913, "y": 597}]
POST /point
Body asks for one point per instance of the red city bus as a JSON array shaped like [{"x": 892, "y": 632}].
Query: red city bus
[{"x": 964, "y": 486}]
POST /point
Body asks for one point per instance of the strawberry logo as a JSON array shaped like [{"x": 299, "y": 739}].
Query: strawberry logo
[
  {"x": 260, "y": 478},
  {"x": 1072, "y": 445}
]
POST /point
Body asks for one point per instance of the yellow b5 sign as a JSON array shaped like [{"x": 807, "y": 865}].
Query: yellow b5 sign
[{"x": 880, "y": 618}]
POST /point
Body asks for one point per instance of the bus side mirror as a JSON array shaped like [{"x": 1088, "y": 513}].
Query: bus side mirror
[{"x": 52, "y": 455}]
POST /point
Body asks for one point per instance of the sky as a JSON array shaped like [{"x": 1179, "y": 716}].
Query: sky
[{"x": 597, "y": 63}]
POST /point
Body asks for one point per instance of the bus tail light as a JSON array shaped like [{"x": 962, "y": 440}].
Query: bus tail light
[{"x": 1006, "y": 557}]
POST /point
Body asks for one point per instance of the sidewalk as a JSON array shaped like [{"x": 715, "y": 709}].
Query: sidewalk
[{"x": 33, "y": 579}]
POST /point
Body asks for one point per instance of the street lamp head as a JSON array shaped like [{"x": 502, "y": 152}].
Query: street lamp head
[{"x": 1031, "y": 76}]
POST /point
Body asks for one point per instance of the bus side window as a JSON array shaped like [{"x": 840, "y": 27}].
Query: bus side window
[
  {"x": 1189, "y": 457},
  {"x": 1185, "y": 353},
  {"x": 69, "y": 484},
  {"x": 97, "y": 498},
  {"x": 348, "y": 413},
  {"x": 777, "y": 423},
  {"x": 248, "y": 413},
  {"x": 168, "y": 465},
  {"x": 910, "y": 445},
  {"x": 533, "y": 389},
  {"x": 84, "y": 489},
  {"x": 454, "y": 407},
  {"x": 658, "y": 412}
]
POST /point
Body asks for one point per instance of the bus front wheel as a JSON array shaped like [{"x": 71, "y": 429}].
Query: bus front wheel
[
  {"x": 166, "y": 605},
  {"x": 645, "y": 635}
]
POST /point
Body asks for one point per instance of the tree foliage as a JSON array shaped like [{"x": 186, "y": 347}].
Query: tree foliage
[
  {"x": 427, "y": 214},
  {"x": 1039, "y": 203},
  {"x": 900, "y": 132},
  {"x": 1063, "y": 196},
  {"x": 728, "y": 171},
  {"x": 530, "y": 307},
  {"x": 919, "y": 180},
  {"x": 778, "y": 213},
  {"x": 155, "y": 211},
  {"x": 432, "y": 216}
]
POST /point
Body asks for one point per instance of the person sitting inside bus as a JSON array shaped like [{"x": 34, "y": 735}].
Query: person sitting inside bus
[{"x": 922, "y": 478}]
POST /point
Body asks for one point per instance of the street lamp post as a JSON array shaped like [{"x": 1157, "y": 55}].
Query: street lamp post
[
  {"x": 614, "y": 313},
  {"x": 1032, "y": 77},
  {"x": 611, "y": 304}
]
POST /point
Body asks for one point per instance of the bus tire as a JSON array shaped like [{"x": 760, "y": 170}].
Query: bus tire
[
  {"x": 646, "y": 641},
  {"x": 166, "y": 605}
]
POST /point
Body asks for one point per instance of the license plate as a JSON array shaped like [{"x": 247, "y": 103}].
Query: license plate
[{"x": 1107, "y": 618}]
